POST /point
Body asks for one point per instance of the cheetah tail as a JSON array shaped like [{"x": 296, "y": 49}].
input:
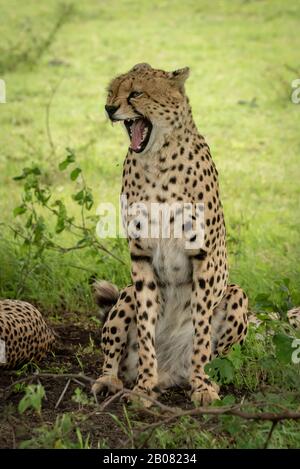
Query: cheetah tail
[{"x": 106, "y": 295}]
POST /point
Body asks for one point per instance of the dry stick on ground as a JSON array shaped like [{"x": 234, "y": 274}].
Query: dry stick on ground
[
  {"x": 225, "y": 410},
  {"x": 63, "y": 393},
  {"x": 228, "y": 410},
  {"x": 47, "y": 375},
  {"x": 109, "y": 401},
  {"x": 263, "y": 416},
  {"x": 273, "y": 425},
  {"x": 176, "y": 413},
  {"x": 78, "y": 382},
  {"x": 13, "y": 436}
]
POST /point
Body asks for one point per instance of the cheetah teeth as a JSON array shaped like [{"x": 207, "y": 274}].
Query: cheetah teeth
[{"x": 139, "y": 130}]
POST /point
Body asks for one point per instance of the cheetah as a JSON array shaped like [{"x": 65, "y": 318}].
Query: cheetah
[
  {"x": 24, "y": 334},
  {"x": 292, "y": 317},
  {"x": 180, "y": 312}
]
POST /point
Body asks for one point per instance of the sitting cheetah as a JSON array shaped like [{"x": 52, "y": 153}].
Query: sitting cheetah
[
  {"x": 24, "y": 335},
  {"x": 179, "y": 312}
]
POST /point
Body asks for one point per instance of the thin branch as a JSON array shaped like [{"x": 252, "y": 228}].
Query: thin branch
[
  {"x": 81, "y": 376},
  {"x": 13, "y": 437},
  {"x": 78, "y": 382},
  {"x": 273, "y": 425},
  {"x": 63, "y": 393},
  {"x": 66, "y": 250},
  {"x": 216, "y": 411},
  {"x": 110, "y": 400},
  {"x": 173, "y": 412},
  {"x": 48, "y": 110}
]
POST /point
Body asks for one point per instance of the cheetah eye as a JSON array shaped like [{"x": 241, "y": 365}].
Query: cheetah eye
[{"x": 135, "y": 94}]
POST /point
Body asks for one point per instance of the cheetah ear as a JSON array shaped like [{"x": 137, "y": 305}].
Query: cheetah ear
[
  {"x": 141, "y": 67},
  {"x": 179, "y": 76}
]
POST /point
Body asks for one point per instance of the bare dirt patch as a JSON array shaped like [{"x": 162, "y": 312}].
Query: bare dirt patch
[{"x": 77, "y": 351}]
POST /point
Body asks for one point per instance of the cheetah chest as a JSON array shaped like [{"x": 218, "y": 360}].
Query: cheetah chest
[{"x": 171, "y": 264}]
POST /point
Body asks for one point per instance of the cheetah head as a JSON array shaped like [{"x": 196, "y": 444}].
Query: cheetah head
[{"x": 149, "y": 102}]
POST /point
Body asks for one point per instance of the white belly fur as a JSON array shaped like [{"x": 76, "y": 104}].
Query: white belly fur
[{"x": 174, "y": 330}]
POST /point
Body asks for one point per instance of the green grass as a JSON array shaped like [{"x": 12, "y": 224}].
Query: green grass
[{"x": 243, "y": 57}]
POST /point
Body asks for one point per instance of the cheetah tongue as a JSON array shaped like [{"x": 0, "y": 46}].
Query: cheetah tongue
[{"x": 137, "y": 133}]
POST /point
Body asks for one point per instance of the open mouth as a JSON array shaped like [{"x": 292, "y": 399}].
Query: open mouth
[{"x": 139, "y": 131}]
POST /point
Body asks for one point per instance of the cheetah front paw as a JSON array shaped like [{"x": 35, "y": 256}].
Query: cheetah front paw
[
  {"x": 142, "y": 396},
  {"x": 205, "y": 397},
  {"x": 107, "y": 384}
]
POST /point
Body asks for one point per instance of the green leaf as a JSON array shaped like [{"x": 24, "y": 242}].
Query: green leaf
[
  {"x": 33, "y": 397},
  {"x": 263, "y": 301},
  {"x": 69, "y": 159},
  {"x": 79, "y": 197},
  {"x": 235, "y": 356},
  {"x": 34, "y": 170},
  {"x": 283, "y": 346},
  {"x": 83, "y": 241},
  {"x": 19, "y": 210},
  {"x": 231, "y": 424},
  {"x": 42, "y": 195},
  {"x": 226, "y": 401},
  {"x": 88, "y": 200},
  {"x": 29, "y": 221},
  {"x": 75, "y": 173},
  {"x": 39, "y": 229},
  {"x": 267, "y": 363},
  {"x": 220, "y": 369}
]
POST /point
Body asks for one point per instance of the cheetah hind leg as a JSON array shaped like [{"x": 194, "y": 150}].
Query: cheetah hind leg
[
  {"x": 114, "y": 334},
  {"x": 230, "y": 321},
  {"x": 229, "y": 327}
]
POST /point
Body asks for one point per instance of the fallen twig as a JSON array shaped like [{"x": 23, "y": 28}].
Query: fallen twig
[
  {"x": 48, "y": 375},
  {"x": 62, "y": 394},
  {"x": 273, "y": 425},
  {"x": 173, "y": 413},
  {"x": 109, "y": 401}
]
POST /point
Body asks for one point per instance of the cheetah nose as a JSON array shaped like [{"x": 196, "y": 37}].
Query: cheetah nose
[{"x": 111, "y": 110}]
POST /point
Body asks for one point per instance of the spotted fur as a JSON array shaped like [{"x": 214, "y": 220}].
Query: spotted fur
[
  {"x": 180, "y": 311},
  {"x": 292, "y": 316},
  {"x": 24, "y": 334}
]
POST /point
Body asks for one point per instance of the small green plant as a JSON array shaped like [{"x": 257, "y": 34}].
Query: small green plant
[
  {"x": 63, "y": 435},
  {"x": 186, "y": 433},
  {"x": 47, "y": 220},
  {"x": 278, "y": 299},
  {"x": 223, "y": 369},
  {"x": 34, "y": 394},
  {"x": 79, "y": 362},
  {"x": 27, "y": 368},
  {"x": 39, "y": 205},
  {"x": 283, "y": 347},
  {"x": 125, "y": 426},
  {"x": 81, "y": 398},
  {"x": 19, "y": 387}
]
